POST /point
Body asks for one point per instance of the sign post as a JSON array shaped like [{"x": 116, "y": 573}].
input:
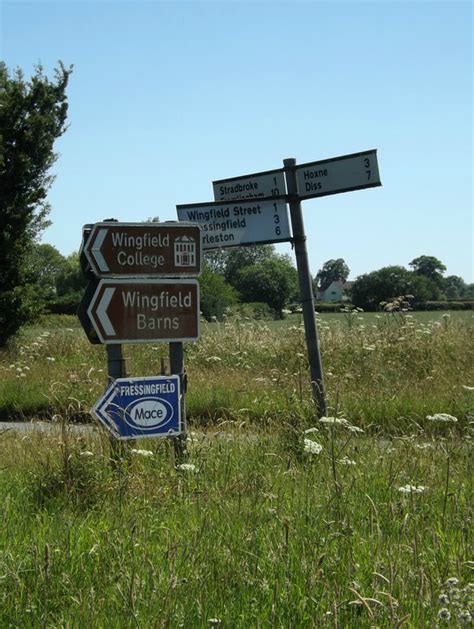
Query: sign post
[
  {"x": 249, "y": 220},
  {"x": 140, "y": 292},
  {"x": 306, "y": 290}
]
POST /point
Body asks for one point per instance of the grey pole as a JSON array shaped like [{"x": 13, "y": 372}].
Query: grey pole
[
  {"x": 176, "y": 353},
  {"x": 306, "y": 289}
]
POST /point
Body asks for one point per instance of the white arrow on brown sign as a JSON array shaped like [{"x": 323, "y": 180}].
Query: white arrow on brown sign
[{"x": 144, "y": 311}]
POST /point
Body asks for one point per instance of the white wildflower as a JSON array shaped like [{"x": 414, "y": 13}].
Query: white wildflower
[
  {"x": 186, "y": 467},
  {"x": 346, "y": 461},
  {"x": 86, "y": 453},
  {"x": 452, "y": 581},
  {"x": 412, "y": 489},
  {"x": 310, "y": 430},
  {"x": 313, "y": 447},
  {"x": 444, "y": 614},
  {"x": 332, "y": 421},
  {"x": 443, "y": 599},
  {"x": 214, "y": 621},
  {"x": 465, "y": 617},
  {"x": 423, "y": 446},
  {"x": 145, "y": 453},
  {"x": 51, "y": 359},
  {"x": 442, "y": 417}
]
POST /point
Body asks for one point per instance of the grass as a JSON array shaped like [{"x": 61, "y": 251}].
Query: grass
[
  {"x": 385, "y": 371},
  {"x": 259, "y": 534},
  {"x": 278, "y": 520}
]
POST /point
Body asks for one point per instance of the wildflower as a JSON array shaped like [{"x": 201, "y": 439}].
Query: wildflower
[
  {"x": 464, "y": 617},
  {"x": 50, "y": 358},
  {"x": 443, "y": 599},
  {"x": 310, "y": 430},
  {"x": 332, "y": 421},
  {"x": 452, "y": 582},
  {"x": 444, "y": 614},
  {"x": 145, "y": 453},
  {"x": 86, "y": 453},
  {"x": 423, "y": 446},
  {"x": 412, "y": 489},
  {"x": 186, "y": 467},
  {"x": 313, "y": 447},
  {"x": 346, "y": 461},
  {"x": 442, "y": 417},
  {"x": 214, "y": 621}
]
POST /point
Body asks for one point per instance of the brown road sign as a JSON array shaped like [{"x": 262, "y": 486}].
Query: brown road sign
[
  {"x": 144, "y": 311},
  {"x": 144, "y": 249}
]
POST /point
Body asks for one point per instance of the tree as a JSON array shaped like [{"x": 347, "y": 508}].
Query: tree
[
  {"x": 273, "y": 281},
  {"x": 430, "y": 267},
  {"x": 332, "y": 270},
  {"x": 46, "y": 264},
  {"x": 32, "y": 116},
  {"x": 370, "y": 289},
  {"x": 241, "y": 257},
  {"x": 454, "y": 287},
  {"x": 216, "y": 294}
]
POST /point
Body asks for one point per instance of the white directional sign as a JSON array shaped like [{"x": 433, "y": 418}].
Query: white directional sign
[
  {"x": 239, "y": 222},
  {"x": 266, "y": 184},
  {"x": 339, "y": 174}
]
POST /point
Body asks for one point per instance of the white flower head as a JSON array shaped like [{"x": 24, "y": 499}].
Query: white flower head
[
  {"x": 313, "y": 447},
  {"x": 442, "y": 417},
  {"x": 412, "y": 489},
  {"x": 444, "y": 614},
  {"x": 310, "y": 430},
  {"x": 186, "y": 467},
  {"x": 346, "y": 461},
  {"x": 144, "y": 453}
]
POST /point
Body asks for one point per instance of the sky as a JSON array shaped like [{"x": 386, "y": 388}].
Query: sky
[{"x": 166, "y": 97}]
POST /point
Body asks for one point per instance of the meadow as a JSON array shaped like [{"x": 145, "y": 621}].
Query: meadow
[{"x": 276, "y": 519}]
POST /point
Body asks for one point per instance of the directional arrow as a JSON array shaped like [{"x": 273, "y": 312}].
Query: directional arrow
[
  {"x": 96, "y": 250},
  {"x": 134, "y": 408},
  {"x": 102, "y": 315},
  {"x": 171, "y": 249},
  {"x": 143, "y": 311}
]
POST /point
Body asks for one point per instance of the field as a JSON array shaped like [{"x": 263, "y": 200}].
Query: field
[{"x": 363, "y": 519}]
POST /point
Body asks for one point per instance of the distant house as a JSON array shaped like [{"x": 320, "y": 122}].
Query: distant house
[{"x": 336, "y": 291}]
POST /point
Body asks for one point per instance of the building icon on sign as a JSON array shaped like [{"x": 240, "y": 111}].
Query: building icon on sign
[{"x": 185, "y": 251}]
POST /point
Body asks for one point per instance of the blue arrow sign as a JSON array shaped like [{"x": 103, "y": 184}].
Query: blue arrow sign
[{"x": 137, "y": 408}]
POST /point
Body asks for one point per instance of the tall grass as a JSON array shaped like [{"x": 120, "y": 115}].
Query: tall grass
[
  {"x": 389, "y": 371},
  {"x": 257, "y": 531}
]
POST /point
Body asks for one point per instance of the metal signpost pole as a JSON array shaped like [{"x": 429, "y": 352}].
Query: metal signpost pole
[
  {"x": 116, "y": 368},
  {"x": 176, "y": 354},
  {"x": 306, "y": 289}
]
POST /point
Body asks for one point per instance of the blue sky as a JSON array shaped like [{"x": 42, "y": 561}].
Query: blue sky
[{"x": 167, "y": 96}]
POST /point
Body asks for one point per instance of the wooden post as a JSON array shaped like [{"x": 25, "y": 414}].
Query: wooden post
[{"x": 306, "y": 289}]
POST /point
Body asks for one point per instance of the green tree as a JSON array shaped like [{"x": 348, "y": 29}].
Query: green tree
[
  {"x": 46, "y": 264},
  {"x": 331, "y": 271},
  {"x": 273, "y": 281},
  {"x": 429, "y": 267},
  {"x": 216, "y": 294},
  {"x": 240, "y": 257},
  {"x": 370, "y": 289},
  {"x": 32, "y": 116},
  {"x": 454, "y": 287}
]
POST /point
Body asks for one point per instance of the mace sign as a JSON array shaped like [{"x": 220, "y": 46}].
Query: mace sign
[
  {"x": 133, "y": 408},
  {"x": 144, "y": 249},
  {"x": 266, "y": 184},
  {"x": 145, "y": 310},
  {"x": 339, "y": 174},
  {"x": 239, "y": 222}
]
